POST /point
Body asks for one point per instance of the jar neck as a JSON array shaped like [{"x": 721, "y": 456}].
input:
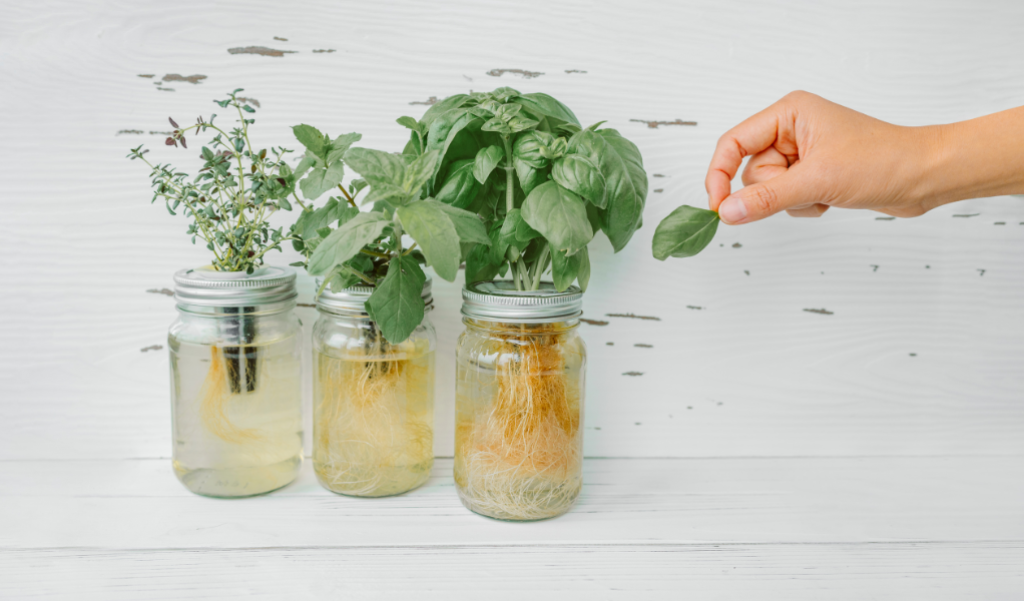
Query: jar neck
[
  {"x": 518, "y": 327},
  {"x": 265, "y": 310}
]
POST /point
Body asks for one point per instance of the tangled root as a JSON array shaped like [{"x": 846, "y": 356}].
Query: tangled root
[
  {"x": 373, "y": 420},
  {"x": 214, "y": 397}
]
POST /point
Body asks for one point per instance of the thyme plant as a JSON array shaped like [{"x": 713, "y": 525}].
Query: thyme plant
[{"x": 231, "y": 199}]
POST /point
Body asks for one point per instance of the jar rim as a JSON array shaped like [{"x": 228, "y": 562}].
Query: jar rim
[
  {"x": 352, "y": 300},
  {"x": 206, "y": 287},
  {"x": 499, "y": 300}
]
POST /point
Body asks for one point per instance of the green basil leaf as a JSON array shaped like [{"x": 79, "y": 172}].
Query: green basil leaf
[
  {"x": 434, "y": 231},
  {"x": 525, "y": 233},
  {"x": 375, "y": 166},
  {"x": 542, "y": 104},
  {"x": 518, "y": 124},
  {"x": 480, "y": 266},
  {"x": 419, "y": 172},
  {"x": 460, "y": 186},
  {"x": 581, "y": 175},
  {"x": 564, "y": 269},
  {"x": 346, "y": 241},
  {"x": 583, "y": 275},
  {"x": 340, "y": 145},
  {"x": 508, "y": 229},
  {"x": 527, "y": 148},
  {"x": 486, "y": 160},
  {"x": 529, "y": 178},
  {"x": 496, "y": 125},
  {"x": 468, "y": 225},
  {"x": 311, "y": 138},
  {"x": 504, "y": 94},
  {"x": 498, "y": 246},
  {"x": 304, "y": 166},
  {"x": 440, "y": 108},
  {"x": 560, "y": 216},
  {"x": 408, "y": 122},
  {"x": 625, "y": 180},
  {"x": 397, "y": 303},
  {"x": 444, "y": 131},
  {"x": 684, "y": 233}
]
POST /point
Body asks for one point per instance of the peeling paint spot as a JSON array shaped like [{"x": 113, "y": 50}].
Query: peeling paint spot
[
  {"x": 873, "y": 268},
  {"x": 610, "y": 344},
  {"x": 163, "y": 291},
  {"x": 884, "y": 218},
  {"x": 689, "y": 406},
  {"x": 594, "y": 322},
  {"x": 1000, "y": 223},
  {"x": 643, "y": 345},
  {"x": 307, "y": 305},
  {"x": 633, "y": 316},
  {"x": 632, "y": 373},
  {"x": 819, "y": 311},
  {"x": 597, "y": 427},
  {"x": 981, "y": 272},
  {"x": 192, "y": 79},
  {"x": 523, "y": 72},
  {"x": 130, "y": 131},
  {"x": 695, "y": 307},
  {"x": 967, "y": 215},
  {"x": 252, "y": 101},
  {"x": 658, "y": 175},
  {"x": 147, "y": 75},
  {"x": 913, "y": 354},
  {"x": 280, "y": 39},
  {"x": 737, "y": 245},
  {"x": 428, "y": 102},
  {"x": 261, "y": 50},
  {"x": 746, "y": 271},
  {"x": 160, "y": 133},
  {"x": 324, "y": 51},
  {"x": 574, "y": 71},
  {"x": 637, "y": 423},
  {"x": 165, "y": 89},
  {"x": 927, "y": 266},
  {"x": 659, "y": 190},
  {"x": 152, "y": 347},
  {"x": 468, "y": 78},
  {"x": 657, "y": 124}
]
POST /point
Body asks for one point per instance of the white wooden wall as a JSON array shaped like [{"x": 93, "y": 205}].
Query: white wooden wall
[{"x": 917, "y": 354}]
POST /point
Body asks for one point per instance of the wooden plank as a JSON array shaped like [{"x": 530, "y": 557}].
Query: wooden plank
[{"x": 139, "y": 505}]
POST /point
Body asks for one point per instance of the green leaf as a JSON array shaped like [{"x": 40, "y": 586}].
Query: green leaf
[
  {"x": 508, "y": 229},
  {"x": 311, "y": 138},
  {"x": 408, "y": 122},
  {"x": 564, "y": 269},
  {"x": 309, "y": 222},
  {"x": 525, "y": 233},
  {"x": 460, "y": 186},
  {"x": 581, "y": 175},
  {"x": 560, "y": 216},
  {"x": 389, "y": 194},
  {"x": 504, "y": 94},
  {"x": 480, "y": 266},
  {"x": 543, "y": 105},
  {"x": 583, "y": 275},
  {"x": 468, "y": 225},
  {"x": 346, "y": 241},
  {"x": 376, "y": 166},
  {"x": 486, "y": 160},
  {"x": 397, "y": 303},
  {"x": 444, "y": 130},
  {"x": 321, "y": 180},
  {"x": 529, "y": 178},
  {"x": 340, "y": 145},
  {"x": 498, "y": 246},
  {"x": 625, "y": 180},
  {"x": 518, "y": 124},
  {"x": 419, "y": 172},
  {"x": 684, "y": 233},
  {"x": 439, "y": 108},
  {"x": 434, "y": 231},
  {"x": 528, "y": 148}
]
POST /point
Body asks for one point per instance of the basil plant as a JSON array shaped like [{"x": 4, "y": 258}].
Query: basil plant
[
  {"x": 347, "y": 246},
  {"x": 542, "y": 184}
]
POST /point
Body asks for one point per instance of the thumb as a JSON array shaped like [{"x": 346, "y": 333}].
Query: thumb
[{"x": 760, "y": 200}]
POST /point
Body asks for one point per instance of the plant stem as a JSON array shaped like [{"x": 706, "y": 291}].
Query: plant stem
[
  {"x": 351, "y": 200},
  {"x": 539, "y": 266},
  {"x": 510, "y": 203}
]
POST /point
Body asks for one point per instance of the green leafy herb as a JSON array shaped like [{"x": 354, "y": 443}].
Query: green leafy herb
[{"x": 685, "y": 232}]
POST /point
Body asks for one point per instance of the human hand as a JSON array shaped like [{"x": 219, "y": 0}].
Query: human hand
[{"x": 809, "y": 154}]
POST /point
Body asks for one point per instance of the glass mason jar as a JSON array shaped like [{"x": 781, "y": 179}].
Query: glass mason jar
[
  {"x": 236, "y": 381},
  {"x": 373, "y": 401},
  {"x": 520, "y": 369}
]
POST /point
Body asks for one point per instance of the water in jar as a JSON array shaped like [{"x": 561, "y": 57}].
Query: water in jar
[
  {"x": 237, "y": 416},
  {"x": 373, "y": 414}
]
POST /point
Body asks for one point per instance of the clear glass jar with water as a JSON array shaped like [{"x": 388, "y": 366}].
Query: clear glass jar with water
[
  {"x": 236, "y": 389},
  {"x": 520, "y": 382}
]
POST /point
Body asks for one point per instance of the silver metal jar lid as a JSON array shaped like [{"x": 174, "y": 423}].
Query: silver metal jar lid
[
  {"x": 353, "y": 299},
  {"x": 206, "y": 287},
  {"x": 500, "y": 301}
]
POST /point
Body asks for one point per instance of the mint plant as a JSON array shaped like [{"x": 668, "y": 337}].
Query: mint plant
[
  {"x": 231, "y": 199},
  {"x": 684, "y": 232},
  {"x": 347, "y": 246},
  {"x": 542, "y": 183}
]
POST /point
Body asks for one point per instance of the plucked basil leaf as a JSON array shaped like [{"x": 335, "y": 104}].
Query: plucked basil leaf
[
  {"x": 397, "y": 303},
  {"x": 625, "y": 180},
  {"x": 684, "y": 233},
  {"x": 346, "y": 241},
  {"x": 560, "y": 216},
  {"x": 581, "y": 175},
  {"x": 434, "y": 231},
  {"x": 486, "y": 160}
]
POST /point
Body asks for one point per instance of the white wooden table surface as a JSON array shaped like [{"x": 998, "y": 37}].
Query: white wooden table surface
[{"x": 871, "y": 448}]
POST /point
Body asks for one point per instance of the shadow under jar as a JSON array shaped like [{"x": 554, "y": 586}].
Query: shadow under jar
[
  {"x": 373, "y": 401},
  {"x": 520, "y": 372},
  {"x": 236, "y": 381}
]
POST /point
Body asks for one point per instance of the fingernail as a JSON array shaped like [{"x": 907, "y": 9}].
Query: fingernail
[{"x": 732, "y": 210}]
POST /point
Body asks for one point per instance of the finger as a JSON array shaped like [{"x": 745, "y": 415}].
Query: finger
[
  {"x": 815, "y": 210},
  {"x": 764, "y": 165},
  {"x": 789, "y": 190},
  {"x": 749, "y": 137}
]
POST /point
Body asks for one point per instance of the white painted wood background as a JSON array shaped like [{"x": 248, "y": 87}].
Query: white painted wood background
[{"x": 871, "y": 452}]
